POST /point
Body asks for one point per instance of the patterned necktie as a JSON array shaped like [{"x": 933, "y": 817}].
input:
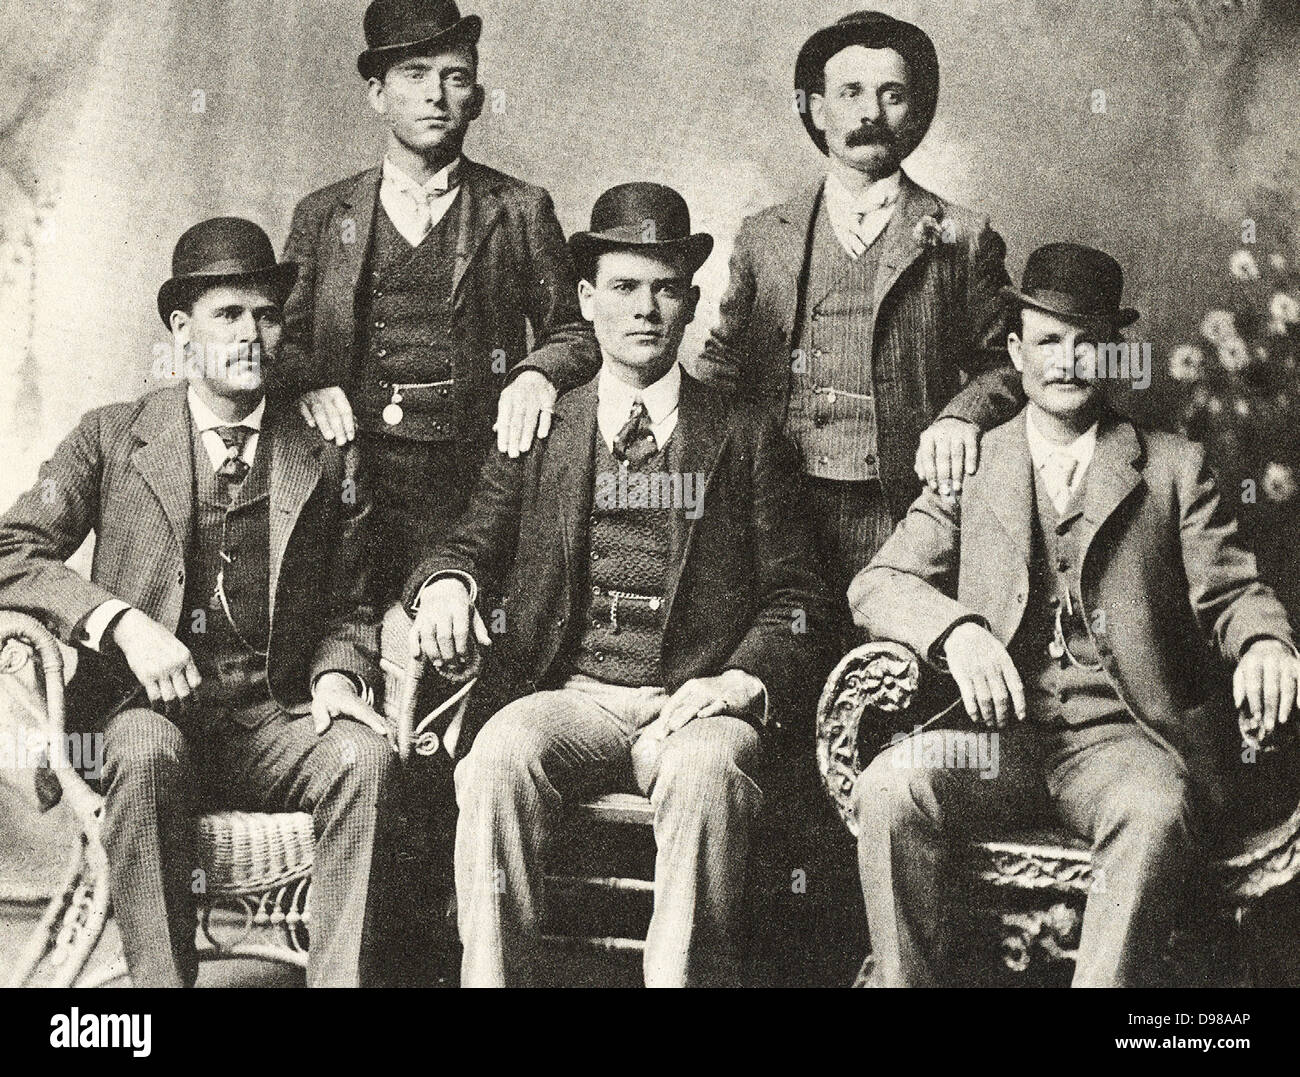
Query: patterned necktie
[
  {"x": 234, "y": 468},
  {"x": 636, "y": 441},
  {"x": 1058, "y": 473}
]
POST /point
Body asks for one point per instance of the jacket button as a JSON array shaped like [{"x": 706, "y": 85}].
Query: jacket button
[
  {"x": 600, "y": 656},
  {"x": 382, "y": 352},
  {"x": 1062, "y": 564},
  {"x": 595, "y": 591},
  {"x": 823, "y": 460},
  {"x": 559, "y": 622},
  {"x": 595, "y": 555},
  {"x": 180, "y": 576},
  {"x": 869, "y": 458}
]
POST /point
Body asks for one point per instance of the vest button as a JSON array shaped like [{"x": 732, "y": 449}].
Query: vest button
[
  {"x": 821, "y": 419},
  {"x": 823, "y": 460},
  {"x": 600, "y": 656},
  {"x": 559, "y": 622},
  {"x": 869, "y": 458},
  {"x": 596, "y": 591},
  {"x": 180, "y": 576},
  {"x": 382, "y": 352},
  {"x": 595, "y": 555},
  {"x": 379, "y": 325},
  {"x": 1062, "y": 564}
]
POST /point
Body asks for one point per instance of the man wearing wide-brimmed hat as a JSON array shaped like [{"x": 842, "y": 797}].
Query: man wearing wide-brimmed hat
[
  {"x": 1094, "y": 603},
  {"x": 661, "y": 624},
  {"x": 422, "y": 280},
  {"x": 857, "y": 308},
  {"x": 227, "y": 646}
]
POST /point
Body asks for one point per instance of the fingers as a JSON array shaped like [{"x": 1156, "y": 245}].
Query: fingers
[
  {"x": 1272, "y": 678},
  {"x": 344, "y": 408},
  {"x": 338, "y": 431},
  {"x": 180, "y": 686},
  {"x": 1238, "y": 687},
  {"x": 356, "y": 708},
  {"x": 306, "y": 414},
  {"x": 966, "y": 686},
  {"x": 460, "y": 630},
  {"x": 324, "y": 417},
  {"x": 192, "y": 674},
  {"x": 530, "y": 415},
  {"x": 971, "y": 436},
  {"x": 519, "y": 416},
  {"x": 984, "y": 701},
  {"x": 1253, "y": 683},
  {"x": 481, "y": 632},
  {"x": 1287, "y": 695},
  {"x": 1016, "y": 688},
  {"x": 544, "y": 423},
  {"x": 320, "y": 716},
  {"x": 956, "y": 462},
  {"x": 926, "y": 469},
  {"x": 502, "y": 425}
]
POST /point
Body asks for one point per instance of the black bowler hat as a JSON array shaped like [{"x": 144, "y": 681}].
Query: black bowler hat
[
  {"x": 396, "y": 29},
  {"x": 872, "y": 30},
  {"x": 647, "y": 217},
  {"x": 1073, "y": 281},
  {"x": 218, "y": 251}
]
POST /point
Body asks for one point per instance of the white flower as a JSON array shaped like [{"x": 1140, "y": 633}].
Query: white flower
[
  {"x": 1279, "y": 482},
  {"x": 1234, "y": 355},
  {"x": 1243, "y": 266},
  {"x": 1284, "y": 307},
  {"x": 1219, "y": 326},
  {"x": 1242, "y": 407},
  {"x": 1186, "y": 362},
  {"x": 1278, "y": 262}
]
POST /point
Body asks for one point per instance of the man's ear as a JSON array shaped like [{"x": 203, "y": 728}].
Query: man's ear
[
  {"x": 375, "y": 95},
  {"x": 1015, "y": 349},
  {"x": 817, "y": 110},
  {"x": 587, "y": 299},
  {"x": 693, "y": 300},
  {"x": 180, "y": 323},
  {"x": 474, "y": 109}
]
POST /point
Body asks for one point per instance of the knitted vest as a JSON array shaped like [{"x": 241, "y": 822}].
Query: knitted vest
[
  {"x": 622, "y": 636},
  {"x": 836, "y": 432},
  {"x": 404, "y": 314}
]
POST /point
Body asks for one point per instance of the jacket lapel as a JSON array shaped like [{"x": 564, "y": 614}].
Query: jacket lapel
[
  {"x": 342, "y": 275},
  {"x": 900, "y": 247},
  {"x": 702, "y": 430},
  {"x": 1007, "y": 473},
  {"x": 480, "y": 209},
  {"x": 796, "y": 217},
  {"x": 165, "y": 459},
  {"x": 295, "y": 471},
  {"x": 1113, "y": 474},
  {"x": 571, "y": 450}
]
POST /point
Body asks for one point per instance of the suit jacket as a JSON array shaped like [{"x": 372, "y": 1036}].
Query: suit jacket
[
  {"x": 513, "y": 272},
  {"x": 938, "y": 318},
  {"x": 1162, "y": 560},
  {"x": 742, "y": 595},
  {"x": 127, "y": 474}
]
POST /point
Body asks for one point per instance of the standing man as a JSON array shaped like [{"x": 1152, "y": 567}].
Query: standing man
[
  {"x": 663, "y": 627},
  {"x": 227, "y": 645},
  {"x": 855, "y": 309},
  {"x": 1086, "y": 595},
  {"x": 421, "y": 282}
]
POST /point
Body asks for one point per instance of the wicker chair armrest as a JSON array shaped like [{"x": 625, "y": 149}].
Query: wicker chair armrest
[{"x": 865, "y": 700}]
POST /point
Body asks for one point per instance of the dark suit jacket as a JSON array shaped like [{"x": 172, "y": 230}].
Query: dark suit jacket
[
  {"x": 513, "y": 272},
  {"x": 1162, "y": 560},
  {"x": 127, "y": 474},
  {"x": 937, "y": 318},
  {"x": 742, "y": 573}
]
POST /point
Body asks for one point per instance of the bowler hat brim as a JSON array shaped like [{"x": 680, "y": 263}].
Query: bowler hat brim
[
  {"x": 1064, "y": 307},
  {"x": 883, "y": 32},
  {"x": 587, "y": 245},
  {"x": 374, "y": 62},
  {"x": 179, "y": 292}
]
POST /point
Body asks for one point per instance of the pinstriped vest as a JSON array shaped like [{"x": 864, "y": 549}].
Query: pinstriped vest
[
  {"x": 405, "y": 315},
  {"x": 836, "y": 433},
  {"x": 234, "y": 674},
  {"x": 1057, "y": 691}
]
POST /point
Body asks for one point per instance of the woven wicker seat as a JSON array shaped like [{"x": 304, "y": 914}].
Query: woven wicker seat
[{"x": 245, "y": 852}]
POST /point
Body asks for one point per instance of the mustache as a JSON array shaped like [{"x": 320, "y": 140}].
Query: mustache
[{"x": 870, "y": 134}]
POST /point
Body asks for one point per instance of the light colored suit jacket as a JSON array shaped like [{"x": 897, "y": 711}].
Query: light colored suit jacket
[
  {"x": 1178, "y": 592},
  {"x": 938, "y": 321}
]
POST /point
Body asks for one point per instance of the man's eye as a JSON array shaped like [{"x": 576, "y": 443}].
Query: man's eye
[{"x": 848, "y": 91}]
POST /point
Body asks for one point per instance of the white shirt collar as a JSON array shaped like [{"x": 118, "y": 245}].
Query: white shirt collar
[
  {"x": 1040, "y": 447},
  {"x": 206, "y": 419},
  {"x": 615, "y": 397},
  {"x": 881, "y": 193},
  {"x": 439, "y": 183}
]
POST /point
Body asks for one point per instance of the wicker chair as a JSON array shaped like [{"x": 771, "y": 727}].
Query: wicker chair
[
  {"x": 256, "y": 867},
  {"x": 1018, "y": 897}
]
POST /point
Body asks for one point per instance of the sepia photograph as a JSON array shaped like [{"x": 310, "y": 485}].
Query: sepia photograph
[{"x": 736, "y": 495}]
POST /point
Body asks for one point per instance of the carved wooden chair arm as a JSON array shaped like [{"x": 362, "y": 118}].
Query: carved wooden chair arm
[{"x": 864, "y": 702}]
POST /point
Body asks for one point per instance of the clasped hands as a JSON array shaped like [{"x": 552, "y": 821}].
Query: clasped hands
[{"x": 1266, "y": 680}]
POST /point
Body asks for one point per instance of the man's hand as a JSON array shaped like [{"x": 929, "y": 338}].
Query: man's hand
[
  {"x": 335, "y": 696},
  {"x": 732, "y": 692},
  {"x": 523, "y": 410},
  {"x": 990, "y": 686},
  {"x": 159, "y": 661},
  {"x": 329, "y": 411},
  {"x": 1266, "y": 681},
  {"x": 442, "y": 624},
  {"x": 949, "y": 451}
]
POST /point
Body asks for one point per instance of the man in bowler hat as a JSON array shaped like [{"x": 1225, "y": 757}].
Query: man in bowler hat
[
  {"x": 863, "y": 311},
  {"x": 421, "y": 281},
  {"x": 1088, "y": 593},
  {"x": 661, "y": 628},
  {"x": 227, "y": 645}
]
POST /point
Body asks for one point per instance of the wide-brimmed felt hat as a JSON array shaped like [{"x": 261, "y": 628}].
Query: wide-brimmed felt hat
[
  {"x": 647, "y": 217},
  {"x": 396, "y": 29},
  {"x": 1073, "y": 281},
  {"x": 872, "y": 30},
  {"x": 218, "y": 251}
]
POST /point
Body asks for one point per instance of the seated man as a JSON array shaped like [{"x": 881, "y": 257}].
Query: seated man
[
  {"x": 648, "y": 636},
  {"x": 1075, "y": 595},
  {"x": 226, "y": 601}
]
